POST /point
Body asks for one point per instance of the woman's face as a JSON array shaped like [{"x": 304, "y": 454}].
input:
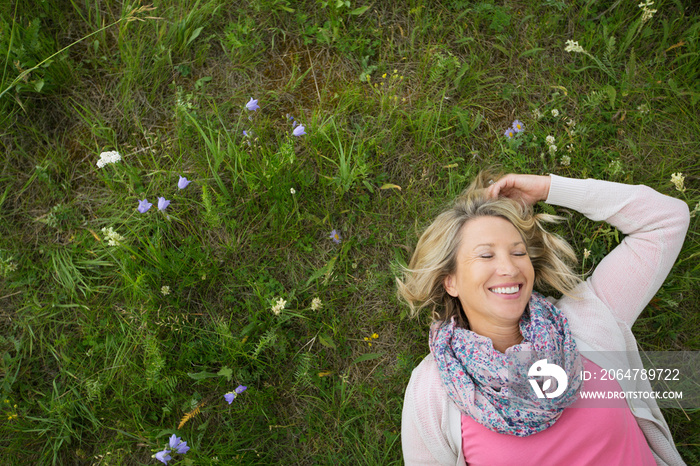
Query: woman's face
[{"x": 494, "y": 275}]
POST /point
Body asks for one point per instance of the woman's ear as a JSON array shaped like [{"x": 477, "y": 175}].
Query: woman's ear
[{"x": 448, "y": 283}]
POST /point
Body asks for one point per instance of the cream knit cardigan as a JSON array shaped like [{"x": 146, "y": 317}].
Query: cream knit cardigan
[{"x": 600, "y": 319}]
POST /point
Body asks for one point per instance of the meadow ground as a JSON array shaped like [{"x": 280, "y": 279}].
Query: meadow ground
[{"x": 275, "y": 267}]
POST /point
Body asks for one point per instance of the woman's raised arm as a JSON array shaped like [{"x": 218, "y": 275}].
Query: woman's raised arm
[{"x": 655, "y": 225}]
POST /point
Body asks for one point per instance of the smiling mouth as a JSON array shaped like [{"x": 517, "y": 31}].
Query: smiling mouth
[{"x": 506, "y": 290}]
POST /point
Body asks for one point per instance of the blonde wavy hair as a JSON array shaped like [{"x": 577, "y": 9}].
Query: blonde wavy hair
[{"x": 435, "y": 255}]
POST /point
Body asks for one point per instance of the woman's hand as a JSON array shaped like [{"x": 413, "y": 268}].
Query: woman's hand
[{"x": 527, "y": 188}]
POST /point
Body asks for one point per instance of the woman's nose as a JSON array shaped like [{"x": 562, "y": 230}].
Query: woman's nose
[{"x": 507, "y": 268}]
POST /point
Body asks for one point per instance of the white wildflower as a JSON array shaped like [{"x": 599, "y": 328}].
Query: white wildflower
[
  {"x": 572, "y": 46},
  {"x": 647, "y": 13},
  {"x": 183, "y": 104},
  {"x": 569, "y": 147},
  {"x": 678, "y": 181},
  {"x": 570, "y": 122},
  {"x": 555, "y": 112},
  {"x": 552, "y": 149},
  {"x": 537, "y": 114},
  {"x": 644, "y": 108},
  {"x": 293, "y": 191},
  {"x": 278, "y": 306},
  {"x": 586, "y": 253},
  {"x": 108, "y": 157},
  {"x": 6, "y": 267},
  {"x": 165, "y": 290},
  {"x": 615, "y": 168},
  {"x": 316, "y": 304},
  {"x": 549, "y": 139},
  {"x": 566, "y": 161},
  {"x": 694, "y": 212},
  {"x": 112, "y": 237}
]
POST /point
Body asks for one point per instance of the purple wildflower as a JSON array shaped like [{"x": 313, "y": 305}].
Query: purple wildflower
[
  {"x": 164, "y": 456},
  {"x": 509, "y": 133},
  {"x": 178, "y": 445},
  {"x": 518, "y": 126},
  {"x": 183, "y": 448},
  {"x": 252, "y": 104},
  {"x": 245, "y": 133},
  {"x": 299, "y": 131},
  {"x": 230, "y": 396},
  {"x": 183, "y": 182},
  {"x": 174, "y": 441},
  {"x": 335, "y": 236},
  {"x": 144, "y": 205},
  {"x": 163, "y": 203}
]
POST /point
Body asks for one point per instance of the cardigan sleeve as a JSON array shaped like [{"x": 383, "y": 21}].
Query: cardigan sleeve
[
  {"x": 429, "y": 428},
  {"x": 655, "y": 225}
]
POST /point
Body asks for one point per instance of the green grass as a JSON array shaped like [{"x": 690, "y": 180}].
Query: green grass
[{"x": 401, "y": 106}]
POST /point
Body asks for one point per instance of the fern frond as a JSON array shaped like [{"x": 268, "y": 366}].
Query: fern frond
[
  {"x": 32, "y": 38},
  {"x": 610, "y": 48},
  {"x": 267, "y": 340},
  {"x": 191, "y": 414},
  {"x": 210, "y": 214},
  {"x": 164, "y": 386},
  {"x": 301, "y": 375}
]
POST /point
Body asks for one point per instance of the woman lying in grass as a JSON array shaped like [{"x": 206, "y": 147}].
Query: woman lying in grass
[{"x": 476, "y": 265}]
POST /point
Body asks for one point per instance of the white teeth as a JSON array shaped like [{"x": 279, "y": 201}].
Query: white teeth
[{"x": 506, "y": 290}]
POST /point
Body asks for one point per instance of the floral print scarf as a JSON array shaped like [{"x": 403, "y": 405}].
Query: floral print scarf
[{"x": 494, "y": 388}]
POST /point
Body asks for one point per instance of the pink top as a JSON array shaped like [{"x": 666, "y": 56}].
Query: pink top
[{"x": 588, "y": 432}]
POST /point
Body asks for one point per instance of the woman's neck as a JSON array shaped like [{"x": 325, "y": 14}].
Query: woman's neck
[
  {"x": 502, "y": 338},
  {"x": 502, "y": 344}
]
